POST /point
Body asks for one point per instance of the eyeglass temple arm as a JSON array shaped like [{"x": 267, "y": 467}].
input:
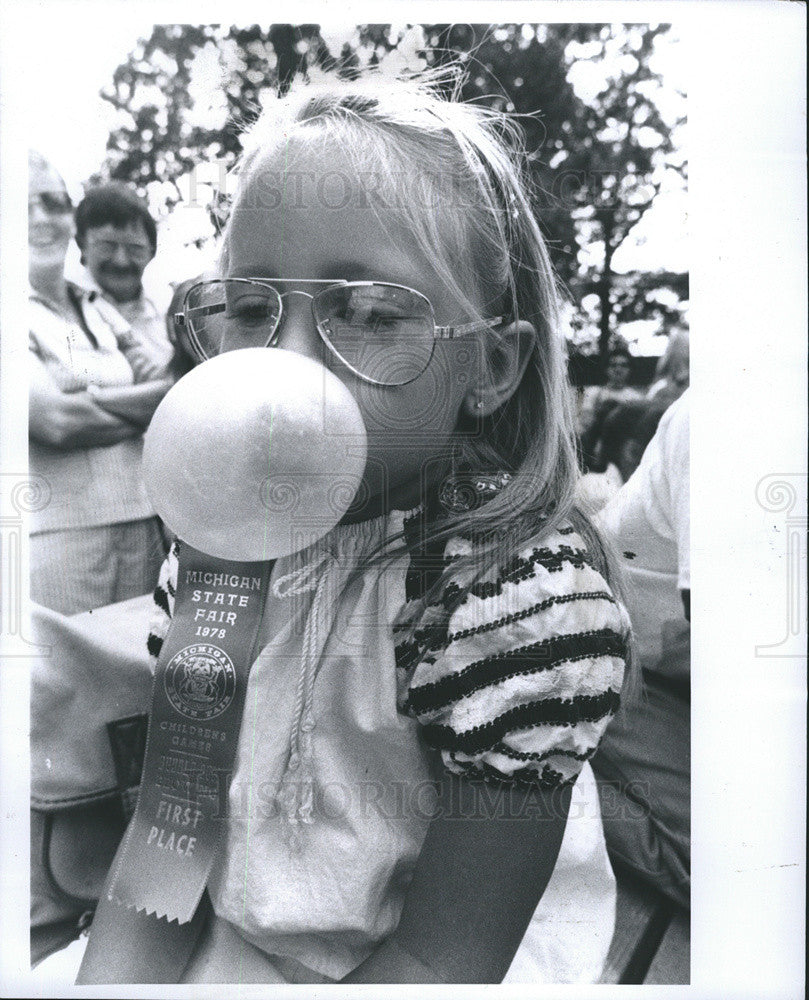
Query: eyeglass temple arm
[
  {"x": 179, "y": 318},
  {"x": 450, "y": 332}
]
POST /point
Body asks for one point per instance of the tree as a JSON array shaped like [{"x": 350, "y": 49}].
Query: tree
[
  {"x": 597, "y": 165},
  {"x": 620, "y": 159}
]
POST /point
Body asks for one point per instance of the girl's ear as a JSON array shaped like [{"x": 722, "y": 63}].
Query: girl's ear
[{"x": 507, "y": 357}]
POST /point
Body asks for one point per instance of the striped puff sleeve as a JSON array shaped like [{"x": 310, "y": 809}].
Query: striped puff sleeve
[
  {"x": 520, "y": 683},
  {"x": 163, "y": 608}
]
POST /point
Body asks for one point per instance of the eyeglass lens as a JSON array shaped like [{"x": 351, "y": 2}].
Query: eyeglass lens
[
  {"x": 52, "y": 202},
  {"x": 384, "y": 333},
  {"x": 134, "y": 251},
  {"x": 228, "y": 315}
]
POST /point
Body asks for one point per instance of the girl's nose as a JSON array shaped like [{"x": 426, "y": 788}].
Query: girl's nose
[{"x": 298, "y": 332}]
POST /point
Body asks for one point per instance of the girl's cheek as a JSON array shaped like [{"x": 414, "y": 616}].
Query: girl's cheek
[
  {"x": 377, "y": 405},
  {"x": 390, "y": 415}
]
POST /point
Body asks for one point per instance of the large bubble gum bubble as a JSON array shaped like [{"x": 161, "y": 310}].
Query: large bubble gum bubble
[{"x": 254, "y": 454}]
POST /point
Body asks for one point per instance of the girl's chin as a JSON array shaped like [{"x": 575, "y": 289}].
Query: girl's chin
[
  {"x": 365, "y": 508},
  {"x": 368, "y": 505}
]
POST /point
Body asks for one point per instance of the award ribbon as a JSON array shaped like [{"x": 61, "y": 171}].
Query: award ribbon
[{"x": 197, "y": 702}]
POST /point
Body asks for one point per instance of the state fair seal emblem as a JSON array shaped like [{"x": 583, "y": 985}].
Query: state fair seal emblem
[{"x": 200, "y": 682}]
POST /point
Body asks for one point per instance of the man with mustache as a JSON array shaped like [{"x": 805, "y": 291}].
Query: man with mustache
[{"x": 118, "y": 238}]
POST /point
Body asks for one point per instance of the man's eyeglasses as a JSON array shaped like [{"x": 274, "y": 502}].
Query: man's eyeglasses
[
  {"x": 52, "y": 202},
  {"x": 384, "y": 333},
  {"x": 140, "y": 253}
]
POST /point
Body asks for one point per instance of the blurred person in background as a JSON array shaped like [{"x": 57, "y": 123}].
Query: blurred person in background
[
  {"x": 626, "y": 432},
  {"x": 616, "y": 388},
  {"x": 599, "y": 400},
  {"x": 673, "y": 372},
  {"x": 117, "y": 237},
  {"x": 97, "y": 540},
  {"x": 643, "y": 765}
]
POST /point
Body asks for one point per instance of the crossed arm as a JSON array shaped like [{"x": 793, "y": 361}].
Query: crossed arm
[
  {"x": 132, "y": 402},
  {"x": 90, "y": 418}
]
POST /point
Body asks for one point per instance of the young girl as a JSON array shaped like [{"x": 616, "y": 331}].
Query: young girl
[{"x": 412, "y": 801}]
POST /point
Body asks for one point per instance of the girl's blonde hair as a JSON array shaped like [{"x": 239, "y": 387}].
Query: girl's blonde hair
[{"x": 455, "y": 174}]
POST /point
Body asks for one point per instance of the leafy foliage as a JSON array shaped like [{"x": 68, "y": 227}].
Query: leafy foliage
[{"x": 598, "y": 164}]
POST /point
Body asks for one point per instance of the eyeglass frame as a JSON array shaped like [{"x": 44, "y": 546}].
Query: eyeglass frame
[
  {"x": 144, "y": 251},
  {"x": 439, "y": 332},
  {"x": 64, "y": 208}
]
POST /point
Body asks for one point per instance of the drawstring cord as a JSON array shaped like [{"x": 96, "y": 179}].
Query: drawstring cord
[
  {"x": 325, "y": 572},
  {"x": 299, "y": 807},
  {"x": 300, "y": 579}
]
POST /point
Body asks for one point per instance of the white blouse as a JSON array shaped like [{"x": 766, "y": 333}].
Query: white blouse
[{"x": 349, "y": 721}]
